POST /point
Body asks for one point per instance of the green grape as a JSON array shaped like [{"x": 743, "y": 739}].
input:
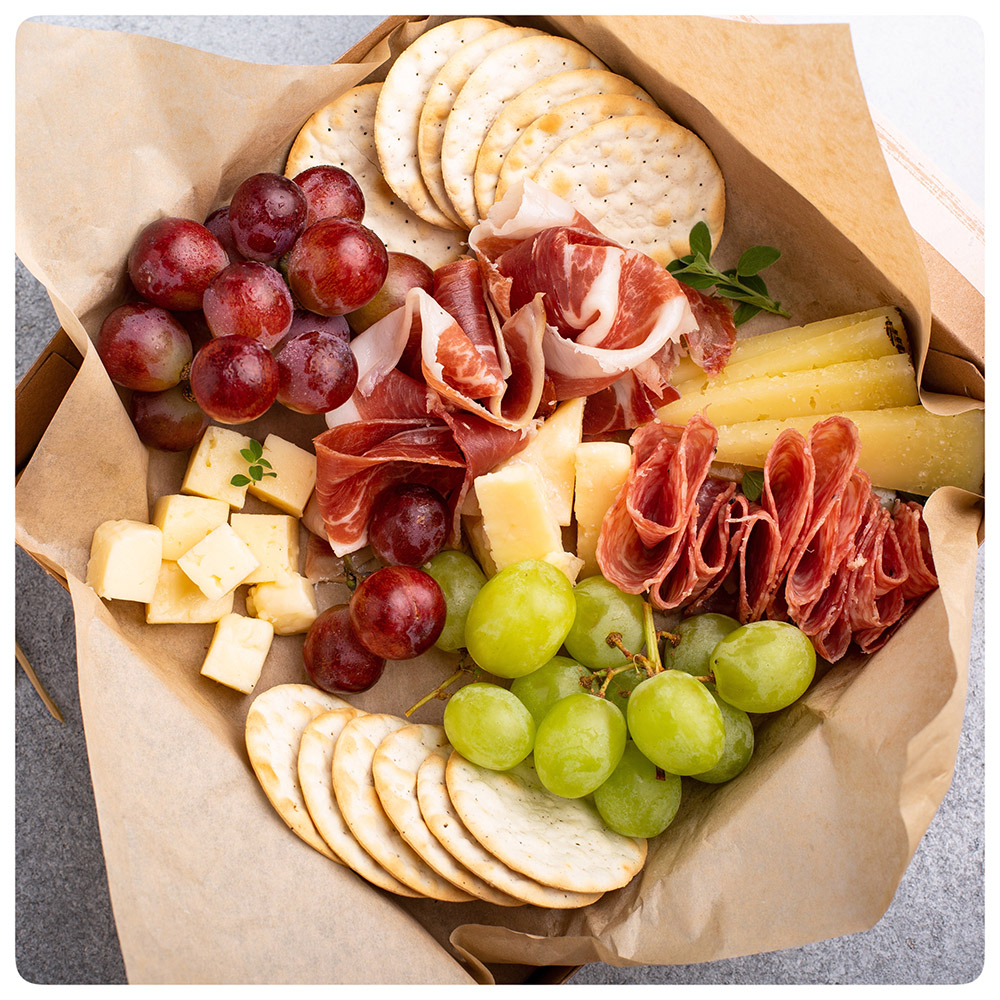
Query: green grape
[
  {"x": 763, "y": 666},
  {"x": 676, "y": 723},
  {"x": 486, "y": 724},
  {"x": 621, "y": 686},
  {"x": 543, "y": 687},
  {"x": 460, "y": 579},
  {"x": 638, "y": 799},
  {"x": 699, "y": 635},
  {"x": 739, "y": 743},
  {"x": 519, "y": 618},
  {"x": 578, "y": 744},
  {"x": 601, "y": 608}
]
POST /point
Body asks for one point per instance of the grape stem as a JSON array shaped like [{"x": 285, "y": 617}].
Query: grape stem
[{"x": 441, "y": 690}]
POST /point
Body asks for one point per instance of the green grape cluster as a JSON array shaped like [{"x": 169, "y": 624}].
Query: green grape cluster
[{"x": 617, "y": 722}]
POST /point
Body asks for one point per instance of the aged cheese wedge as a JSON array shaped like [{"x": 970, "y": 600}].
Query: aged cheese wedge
[
  {"x": 853, "y": 385},
  {"x": 784, "y": 351},
  {"x": 902, "y": 448},
  {"x": 601, "y": 470},
  {"x": 553, "y": 452}
]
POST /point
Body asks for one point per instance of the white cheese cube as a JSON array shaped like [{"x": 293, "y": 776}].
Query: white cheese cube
[
  {"x": 214, "y": 463},
  {"x": 238, "y": 650},
  {"x": 295, "y": 476},
  {"x": 177, "y": 601},
  {"x": 186, "y": 520},
  {"x": 274, "y": 541},
  {"x": 125, "y": 560},
  {"x": 289, "y": 604},
  {"x": 601, "y": 470},
  {"x": 219, "y": 563},
  {"x": 517, "y": 518}
]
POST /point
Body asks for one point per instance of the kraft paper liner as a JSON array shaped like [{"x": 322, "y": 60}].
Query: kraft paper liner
[{"x": 206, "y": 882}]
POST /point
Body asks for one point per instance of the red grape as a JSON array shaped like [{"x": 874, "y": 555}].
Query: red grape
[
  {"x": 336, "y": 266},
  {"x": 234, "y": 379},
  {"x": 266, "y": 214},
  {"x": 169, "y": 420},
  {"x": 251, "y": 299},
  {"x": 218, "y": 225},
  {"x": 304, "y": 321},
  {"x": 317, "y": 371},
  {"x": 408, "y": 524},
  {"x": 334, "y": 658},
  {"x": 143, "y": 347},
  {"x": 398, "y": 612},
  {"x": 331, "y": 192},
  {"x": 173, "y": 260}
]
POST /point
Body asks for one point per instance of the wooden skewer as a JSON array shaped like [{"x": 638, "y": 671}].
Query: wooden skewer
[{"x": 36, "y": 683}]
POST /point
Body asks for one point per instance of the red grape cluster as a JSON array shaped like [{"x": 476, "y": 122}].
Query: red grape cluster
[
  {"x": 246, "y": 309},
  {"x": 395, "y": 613}
]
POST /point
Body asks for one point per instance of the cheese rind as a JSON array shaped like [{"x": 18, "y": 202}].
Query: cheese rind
[
  {"x": 288, "y": 603},
  {"x": 274, "y": 541},
  {"x": 213, "y": 464},
  {"x": 295, "y": 476},
  {"x": 178, "y": 601},
  {"x": 601, "y": 470},
  {"x": 238, "y": 650},
  {"x": 219, "y": 563},
  {"x": 186, "y": 520},
  {"x": 125, "y": 560}
]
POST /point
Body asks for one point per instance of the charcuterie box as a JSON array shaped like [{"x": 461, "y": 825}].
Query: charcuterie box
[{"x": 206, "y": 883}]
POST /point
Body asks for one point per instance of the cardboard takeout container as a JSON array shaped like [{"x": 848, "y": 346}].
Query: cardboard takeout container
[{"x": 206, "y": 882}]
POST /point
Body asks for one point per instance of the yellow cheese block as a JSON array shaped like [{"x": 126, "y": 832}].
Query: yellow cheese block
[
  {"x": 239, "y": 648},
  {"x": 177, "y": 600},
  {"x": 212, "y": 465},
  {"x": 288, "y": 603},
  {"x": 219, "y": 563},
  {"x": 601, "y": 470},
  {"x": 274, "y": 541},
  {"x": 186, "y": 520},
  {"x": 871, "y": 338},
  {"x": 552, "y": 451},
  {"x": 908, "y": 448},
  {"x": 125, "y": 560},
  {"x": 877, "y": 383},
  {"x": 294, "y": 476},
  {"x": 787, "y": 339}
]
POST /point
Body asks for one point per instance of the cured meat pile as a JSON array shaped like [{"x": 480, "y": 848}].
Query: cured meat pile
[
  {"x": 546, "y": 309},
  {"x": 818, "y": 549}
]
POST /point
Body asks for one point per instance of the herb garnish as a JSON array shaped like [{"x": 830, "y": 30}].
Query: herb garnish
[
  {"x": 742, "y": 283},
  {"x": 753, "y": 484},
  {"x": 254, "y": 457}
]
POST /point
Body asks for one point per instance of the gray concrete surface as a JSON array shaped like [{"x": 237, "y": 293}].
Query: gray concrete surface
[{"x": 933, "y": 932}]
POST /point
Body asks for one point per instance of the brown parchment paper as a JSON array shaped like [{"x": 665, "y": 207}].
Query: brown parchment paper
[{"x": 206, "y": 883}]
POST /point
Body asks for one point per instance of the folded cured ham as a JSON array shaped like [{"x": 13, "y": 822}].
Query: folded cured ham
[{"x": 817, "y": 548}]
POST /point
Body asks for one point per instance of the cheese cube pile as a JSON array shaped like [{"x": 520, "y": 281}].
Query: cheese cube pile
[{"x": 199, "y": 548}]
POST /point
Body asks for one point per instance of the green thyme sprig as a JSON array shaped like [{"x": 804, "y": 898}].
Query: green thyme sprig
[
  {"x": 257, "y": 466},
  {"x": 742, "y": 284},
  {"x": 752, "y": 484}
]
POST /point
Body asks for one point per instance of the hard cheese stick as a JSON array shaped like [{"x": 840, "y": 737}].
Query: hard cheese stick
[
  {"x": 853, "y": 385},
  {"x": 906, "y": 448}
]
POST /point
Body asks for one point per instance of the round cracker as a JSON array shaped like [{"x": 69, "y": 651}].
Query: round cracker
[
  {"x": 538, "y": 100},
  {"x": 439, "y": 814},
  {"x": 441, "y": 99},
  {"x": 397, "y": 114},
  {"x": 394, "y": 770},
  {"x": 556, "y": 841},
  {"x": 273, "y": 729},
  {"x": 642, "y": 181},
  {"x": 315, "y": 770},
  {"x": 359, "y": 803},
  {"x": 342, "y": 133},
  {"x": 546, "y": 132},
  {"x": 500, "y": 77}
]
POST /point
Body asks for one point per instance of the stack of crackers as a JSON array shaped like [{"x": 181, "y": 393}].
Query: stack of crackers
[
  {"x": 474, "y": 106},
  {"x": 392, "y": 801}
]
